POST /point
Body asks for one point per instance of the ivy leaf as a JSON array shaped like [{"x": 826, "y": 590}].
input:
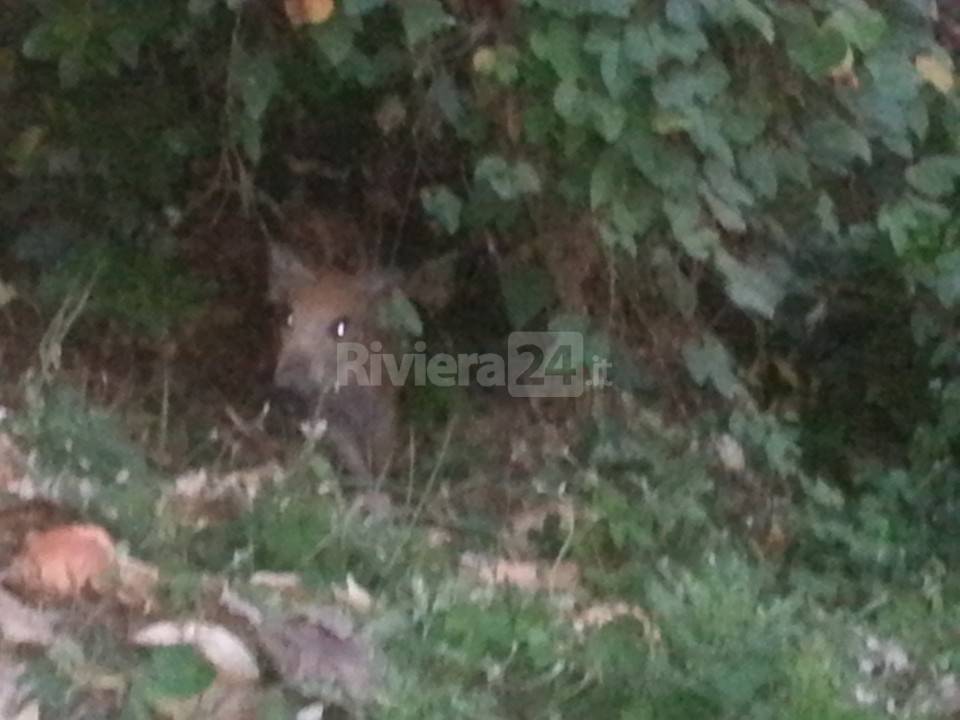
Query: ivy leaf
[
  {"x": 683, "y": 87},
  {"x": 560, "y": 46},
  {"x": 816, "y": 51},
  {"x": 684, "y": 215},
  {"x": 684, "y": 13},
  {"x": 613, "y": 69},
  {"x": 639, "y": 48},
  {"x": 706, "y": 130},
  {"x": 422, "y": 19},
  {"x": 444, "y": 94},
  {"x": 177, "y": 672},
  {"x": 727, "y": 215},
  {"x": 570, "y": 103},
  {"x": 442, "y": 205},
  {"x": 609, "y": 118},
  {"x": 508, "y": 182},
  {"x": 748, "y": 287},
  {"x": 748, "y": 11},
  {"x": 836, "y": 143},
  {"x": 668, "y": 166},
  {"x": 860, "y": 24},
  {"x": 334, "y": 39},
  {"x": 708, "y": 361},
  {"x": 827, "y": 214},
  {"x": 793, "y": 165},
  {"x": 685, "y": 46},
  {"x": 257, "y": 81},
  {"x": 758, "y": 168},
  {"x": 526, "y": 179},
  {"x": 935, "y": 176}
]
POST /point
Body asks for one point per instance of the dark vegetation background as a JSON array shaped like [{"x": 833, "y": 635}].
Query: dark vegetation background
[{"x": 747, "y": 206}]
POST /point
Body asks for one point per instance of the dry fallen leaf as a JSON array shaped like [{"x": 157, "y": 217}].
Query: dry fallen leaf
[
  {"x": 308, "y": 12},
  {"x": 938, "y": 71},
  {"x": 596, "y": 616},
  {"x": 21, "y": 625},
  {"x": 522, "y": 574},
  {"x": 312, "y": 653},
  {"x": 63, "y": 561},
  {"x": 226, "y": 652},
  {"x": 354, "y": 596}
]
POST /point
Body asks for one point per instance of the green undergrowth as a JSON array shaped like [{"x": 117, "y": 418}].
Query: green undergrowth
[{"x": 713, "y": 628}]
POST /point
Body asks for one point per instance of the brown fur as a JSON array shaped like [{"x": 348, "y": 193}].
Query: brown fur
[{"x": 361, "y": 419}]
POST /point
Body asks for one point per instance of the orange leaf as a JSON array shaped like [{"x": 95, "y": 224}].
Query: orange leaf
[
  {"x": 308, "y": 12},
  {"x": 65, "y": 560}
]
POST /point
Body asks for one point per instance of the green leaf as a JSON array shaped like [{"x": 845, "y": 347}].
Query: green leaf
[
  {"x": 508, "y": 182},
  {"x": 422, "y": 19},
  {"x": 708, "y": 361},
  {"x": 748, "y": 11},
  {"x": 177, "y": 672},
  {"x": 496, "y": 172},
  {"x": 43, "y": 42},
  {"x": 334, "y": 39},
  {"x": 792, "y": 164},
  {"x": 668, "y": 166},
  {"x": 616, "y": 239},
  {"x": 640, "y": 48},
  {"x": 526, "y": 179},
  {"x": 684, "y": 13},
  {"x": 827, "y": 214},
  {"x": 684, "y": 46},
  {"x": 759, "y": 169},
  {"x": 257, "y": 81},
  {"x": 609, "y": 118},
  {"x": 706, "y": 130},
  {"x": 935, "y": 175},
  {"x": 686, "y": 223},
  {"x": 750, "y": 288},
  {"x": 725, "y": 185},
  {"x": 682, "y": 88},
  {"x": 570, "y": 103},
  {"x": 125, "y": 42},
  {"x": 402, "y": 315},
  {"x": 443, "y": 206},
  {"x": 816, "y": 51},
  {"x": 560, "y": 45},
  {"x": 836, "y": 143},
  {"x": 860, "y": 24},
  {"x": 527, "y": 291},
  {"x": 727, "y": 215},
  {"x": 614, "y": 70},
  {"x": 445, "y": 95}
]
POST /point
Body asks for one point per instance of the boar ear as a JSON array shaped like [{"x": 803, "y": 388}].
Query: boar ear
[{"x": 287, "y": 273}]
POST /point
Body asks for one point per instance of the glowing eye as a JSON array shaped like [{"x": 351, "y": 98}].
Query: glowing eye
[
  {"x": 290, "y": 320},
  {"x": 340, "y": 328}
]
